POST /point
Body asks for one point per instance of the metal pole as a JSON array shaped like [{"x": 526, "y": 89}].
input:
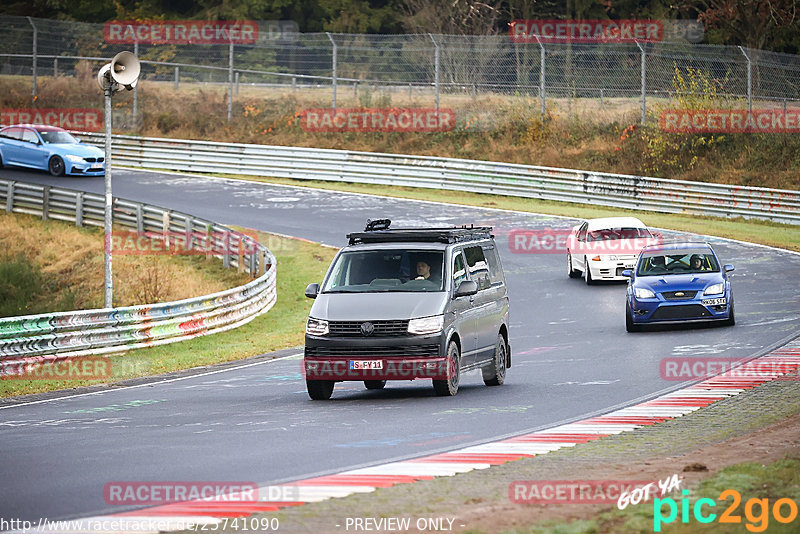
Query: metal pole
[
  {"x": 55, "y": 67},
  {"x": 542, "y": 95},
  {"x": 333, "y": 68},
  {"x": 108, "y": 286},
  {"x": 236, "y": 82},
  {"x": 230, "y": 82},
  {"x": 436, "y": 70},
  {"x": 177, "y": 77},
  {"x": 135, "y": 90},
  {"x": 644, "y": 85},
  {"x": 35, "y": 44},
  {"x": 749, "y": 80}
]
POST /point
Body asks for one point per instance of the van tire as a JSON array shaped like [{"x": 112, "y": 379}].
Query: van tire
[
  {"x": 320, "y": 389},
  {"x": 449, "y": 387},
  {"x": 494, "y": 374},
  {"x": 375, "y": 384}
]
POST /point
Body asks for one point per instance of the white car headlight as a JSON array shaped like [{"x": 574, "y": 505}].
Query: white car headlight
[
  {"x": 316, "y": 327},
  {"x": 74, "y": 159},
  {"x": 643, "y": 293},
  {"x": 426, "y": 325},
  {"x": 716, "y": 289}
]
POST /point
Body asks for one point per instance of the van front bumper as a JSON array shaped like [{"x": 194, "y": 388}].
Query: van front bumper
[{"x": 393, "y": 358}]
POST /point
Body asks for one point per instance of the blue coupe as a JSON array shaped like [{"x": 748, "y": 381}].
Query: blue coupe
[
  {"x": 678, "y": 282},
  {"x": 49, "y": 148}
]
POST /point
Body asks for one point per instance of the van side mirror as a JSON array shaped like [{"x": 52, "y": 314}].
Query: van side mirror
[
  {"x": 728, "y": 268},
  {"x": 627, "y": 273},
  {"x": 466, "y": 288},
  {"x": 312, "y": 291}
]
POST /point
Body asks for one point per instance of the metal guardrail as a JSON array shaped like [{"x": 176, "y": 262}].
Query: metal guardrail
[
  {"x": 48, "y": 336},
  {"x": 566, "y": 185}
]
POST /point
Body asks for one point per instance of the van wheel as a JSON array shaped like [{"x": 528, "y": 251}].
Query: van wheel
[
  {"x": 494, "y": 374},
  {"x": 320, "y": 389},
  {"x": 375, "y": 384},
  {"x": 449, "y": 387}
]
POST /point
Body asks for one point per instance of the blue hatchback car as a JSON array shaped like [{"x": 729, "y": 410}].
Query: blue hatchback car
[
  {"x": 678, "y": 282},
  {"x": 49, "y": 148}
]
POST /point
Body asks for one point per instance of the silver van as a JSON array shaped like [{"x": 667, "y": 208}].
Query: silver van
[{"x": 405, "y": 304}]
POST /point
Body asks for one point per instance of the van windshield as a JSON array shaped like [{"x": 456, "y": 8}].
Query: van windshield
[{"x": 375, "y": 271}]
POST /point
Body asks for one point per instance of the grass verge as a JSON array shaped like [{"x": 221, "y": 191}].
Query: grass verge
[{"x": 283, "y": 326}]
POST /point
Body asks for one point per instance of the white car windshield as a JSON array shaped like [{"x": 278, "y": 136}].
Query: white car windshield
[
  {"x": 376, "y": 271},
  {"x": 607, "y": 234},
  {"x": 56, "y": 137}
]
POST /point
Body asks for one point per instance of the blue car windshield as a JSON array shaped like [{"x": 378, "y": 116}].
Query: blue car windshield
[
  {"x": 382, "y": 271},
  {"x": 56, "y": 137},
  {"x": 685, "y": 262}
]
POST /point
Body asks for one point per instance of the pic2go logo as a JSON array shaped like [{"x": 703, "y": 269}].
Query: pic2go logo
[{"x": 757, "y": 522}]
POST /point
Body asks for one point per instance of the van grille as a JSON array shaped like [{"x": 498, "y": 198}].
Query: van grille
[
  {"x": 382, "y": 328},
  {"x": 410, "y": 351}
]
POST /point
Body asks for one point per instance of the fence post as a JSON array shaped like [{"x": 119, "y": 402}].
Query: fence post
[
  {"x": 236, "y": 77},
  {"x": 436, "y": 70},
  {"x": 230, "y": 80},
  {"x": 55, "y": 67},
  {"x": 749, "y": 80},
  {"x": 294, "y": 84},
  {"x": 45, "y": 202},
  {"x": 333, "y": 67},
  {"x": 177, "y": 76},
  {"x": 10, "y": 197},
  {"x": 35, "y": 45},
  {"x": 542, "y": 63},
  {"x": 644, "y": 80},
  {"x": 79, "y": 209},
  {"x": 139, "y": 219}
]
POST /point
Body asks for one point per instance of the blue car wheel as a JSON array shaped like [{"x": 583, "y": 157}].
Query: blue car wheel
[
  {"x": 56, "y": 166},
  {"x": 630, "y": 326}
]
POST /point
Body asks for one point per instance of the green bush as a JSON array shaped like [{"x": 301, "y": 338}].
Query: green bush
[{"x": 20, "y": 284}]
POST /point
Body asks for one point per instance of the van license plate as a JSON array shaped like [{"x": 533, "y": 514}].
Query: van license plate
[{"x": 366, "y": 364}]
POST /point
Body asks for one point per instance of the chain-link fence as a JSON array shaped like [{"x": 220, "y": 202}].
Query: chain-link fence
[{"x": 420, "y": 66}]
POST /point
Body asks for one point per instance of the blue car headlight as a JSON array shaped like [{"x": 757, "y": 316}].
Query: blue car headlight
[
  {"x": 716, "y": 289},
  {"x": 643, "y": 293},
  {"x": 74, "y": 159}
]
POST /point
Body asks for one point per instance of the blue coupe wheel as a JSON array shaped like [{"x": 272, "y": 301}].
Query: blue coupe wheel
[{"x": 56, "y": 166}]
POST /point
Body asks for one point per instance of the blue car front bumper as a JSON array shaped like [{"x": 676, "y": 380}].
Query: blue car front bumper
[{"x": 658, "y": 310}]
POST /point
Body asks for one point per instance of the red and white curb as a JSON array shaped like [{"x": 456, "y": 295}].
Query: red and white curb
[{"x": 176, "y": 516}]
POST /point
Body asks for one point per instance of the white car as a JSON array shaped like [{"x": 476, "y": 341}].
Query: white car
[{"x": 600, "y": 249}]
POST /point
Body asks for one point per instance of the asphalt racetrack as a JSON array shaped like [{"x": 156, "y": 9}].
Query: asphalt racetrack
[{"x": 255, "y": 422}]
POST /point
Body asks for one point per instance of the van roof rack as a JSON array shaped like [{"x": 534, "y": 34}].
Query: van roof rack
[{"x": 452, "y": 234}]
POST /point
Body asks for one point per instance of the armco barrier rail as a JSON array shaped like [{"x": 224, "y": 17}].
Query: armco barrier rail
[
  {"x": 77, "y": 333},
  {"x": 616, "y": 190}
]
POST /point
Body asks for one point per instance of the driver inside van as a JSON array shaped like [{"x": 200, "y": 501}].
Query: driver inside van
[{"x": 424, "y": 272}]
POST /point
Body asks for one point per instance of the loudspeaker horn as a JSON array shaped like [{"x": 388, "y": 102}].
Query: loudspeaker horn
[{"x": 125, "y": 68}]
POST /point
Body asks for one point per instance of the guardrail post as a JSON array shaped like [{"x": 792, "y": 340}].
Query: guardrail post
[
  {"x": 749, "y": 80},
  {"x": 226, "y": 250},
  {"x": 435, "y": 70},
  {"x": 333, "y": 68},
  {"x": 177, "y": 77},
  {"x": 139, "y": 219},
  {"x": 79, "y": 209},
  {"x": 263, "y": 261},
  {"x": 644, "y": 83},
  {"x": 253, "y": 263},
  {"x": 240, "y": 254},
  {"x": 45, "y": 202},
  {"x": 10, "y": 197},
  {"x": 165, "y": 228},
  {"x": 35, "y": 45},
  {"x": 189, "y": 225}
]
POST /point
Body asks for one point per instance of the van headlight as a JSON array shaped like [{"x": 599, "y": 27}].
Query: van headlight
[
  {"x": 426, "y": 325},
  {"x": 643, "y": 293},
  {"x": 716, "y": 289},
  {"x": 316, "y": 327}
]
